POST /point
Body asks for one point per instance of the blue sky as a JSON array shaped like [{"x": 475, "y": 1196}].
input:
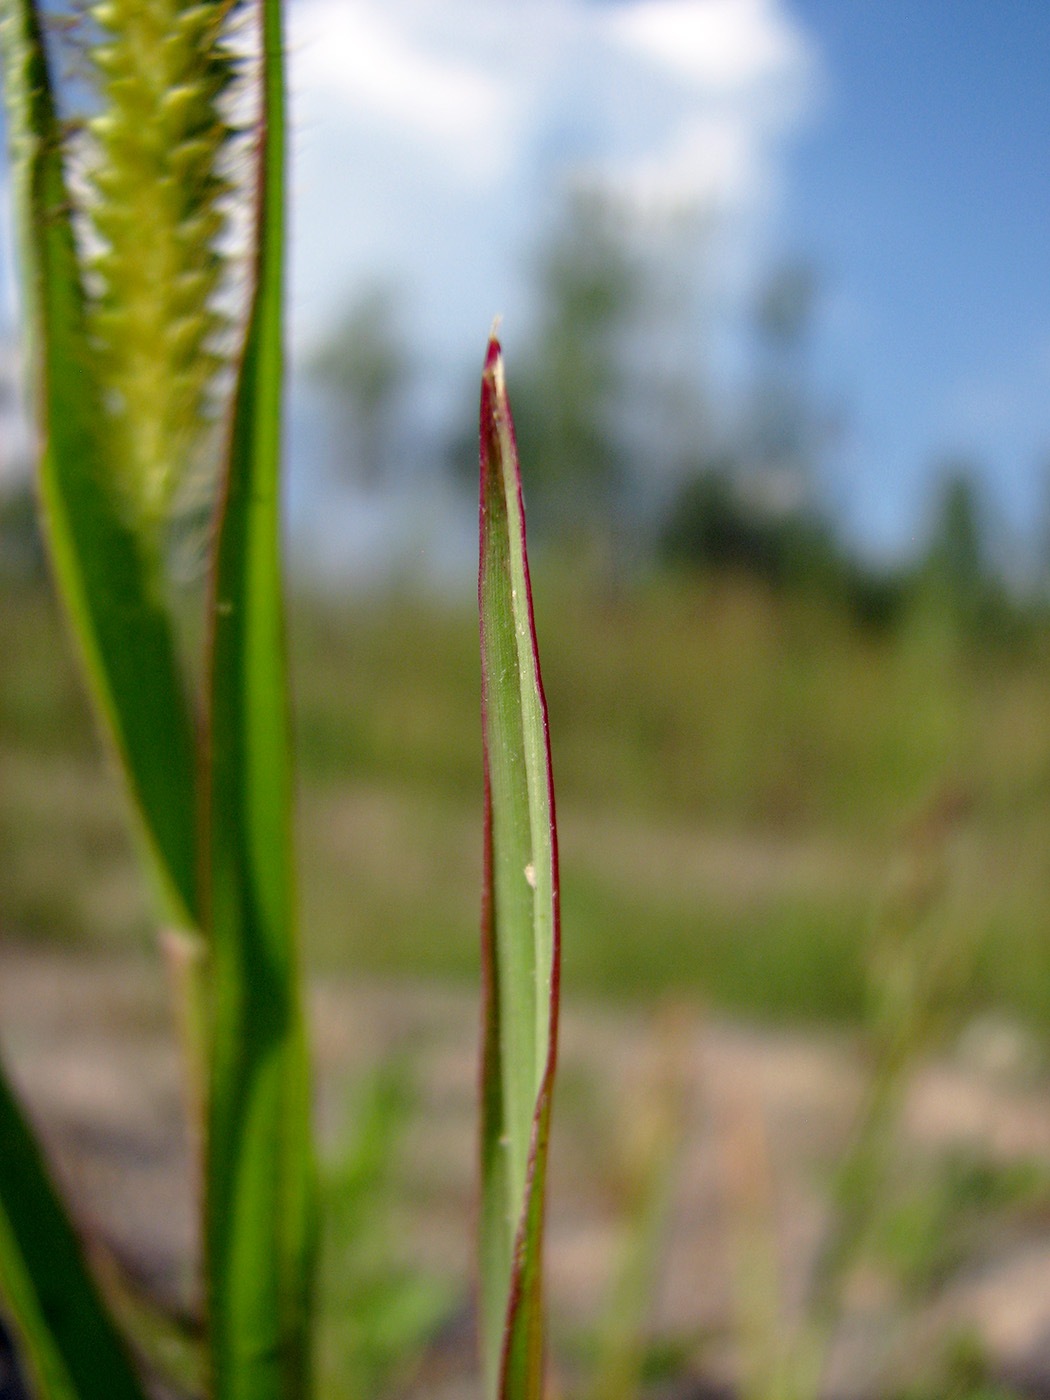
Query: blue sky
[
  {"x": 923, "y": 192},
  {"x": 902, "y": 146},
  {"x": 435, "y": 141}
]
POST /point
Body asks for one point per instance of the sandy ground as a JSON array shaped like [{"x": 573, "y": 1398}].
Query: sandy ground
[{"x": 727, "y": 1132}]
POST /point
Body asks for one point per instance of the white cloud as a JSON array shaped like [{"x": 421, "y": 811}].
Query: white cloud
[
  {"x": 741, "y": 75},
  {"x": 709, "y": 161},
  {"x": 725, "y": 45},
  {"x": 355, "y": 59},
  {"x": 434, "y": 137}
]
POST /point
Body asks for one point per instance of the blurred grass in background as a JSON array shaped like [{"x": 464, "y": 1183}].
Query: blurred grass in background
[{"x": 737, "y": 771}]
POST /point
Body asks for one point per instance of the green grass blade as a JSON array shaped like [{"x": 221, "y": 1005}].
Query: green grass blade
[
  {"x": 114, "y": 603},
  {"x": 71, "y": 1343},
  {"x": 520, "y": 929},
  {"x": 259, "y": 1172}
]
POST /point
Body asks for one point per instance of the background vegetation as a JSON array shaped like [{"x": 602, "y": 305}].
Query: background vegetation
[
  {"x": 739, "y": 768},
  {"x": 773, "y": 754}
]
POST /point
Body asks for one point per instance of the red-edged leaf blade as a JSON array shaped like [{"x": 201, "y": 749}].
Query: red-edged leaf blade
[{"x": 520, "y": 921}]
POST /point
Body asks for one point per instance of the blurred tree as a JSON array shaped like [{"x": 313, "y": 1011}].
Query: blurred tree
[
  {"x": 609, "y": 391},
  {"x": 754, "y": 511},
  {"x": 569, "y": 386},
  {"x": 784, "y": 306},
  {"x": 784, "y": 434},
  {"x": 365, "y": 368},
  {"x": 956, "y": 552},
  {"x": 716, "y": 526},
  {"x": 957, "y": 577},
  {"x": 1041, "y": 539}
]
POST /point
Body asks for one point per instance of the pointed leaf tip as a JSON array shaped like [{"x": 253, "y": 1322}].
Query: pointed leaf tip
[
  {"x": 520, "y": 921},
  {"x": 493, "y": 370}
]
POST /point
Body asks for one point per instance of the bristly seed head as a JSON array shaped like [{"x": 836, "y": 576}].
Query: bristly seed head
[{"x": 159, "y": 191}]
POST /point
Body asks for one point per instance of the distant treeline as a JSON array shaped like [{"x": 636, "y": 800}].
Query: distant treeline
[
  {"x": 628, "y": 461},
  {"x": 717, "y": 527},
  {"x": 721, "y": 527}
]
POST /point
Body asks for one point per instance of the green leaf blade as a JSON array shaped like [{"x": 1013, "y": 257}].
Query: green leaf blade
[
  {"x": 520, "y": 922},
  {"x": 259, "y": 1172},
  {"x": 71, "y": 1342},
  {"x": 107, "y": 584}
]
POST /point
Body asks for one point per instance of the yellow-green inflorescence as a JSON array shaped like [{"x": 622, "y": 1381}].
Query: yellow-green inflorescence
[{"x": 157, "y": 206}]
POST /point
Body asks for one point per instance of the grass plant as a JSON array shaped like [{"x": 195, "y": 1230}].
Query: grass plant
[
  {"x": 123, "y": 287},
  {"x": 125, "y": 332},
  {"x": 376, "y": 1316},
  {"x": 670, "y": 883},
  {"x": 520, "y": 922}
]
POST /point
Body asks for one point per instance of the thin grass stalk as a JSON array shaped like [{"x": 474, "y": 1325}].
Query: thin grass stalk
[
  {"x": 72, "y": 1344},
  {"x": 260, "y": 1227},
  {"x": 117, "y": 616},
  {"x": 520, "y": 923}
]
